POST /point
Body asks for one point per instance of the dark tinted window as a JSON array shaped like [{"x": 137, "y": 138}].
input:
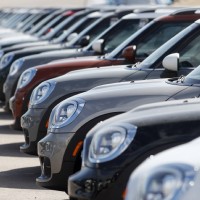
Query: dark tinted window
[
  {"x": 119, "y": 33},
  {"x": 189, "y": 55},
  {"x": 66, "y": 26},
  {"x": 99, "y": 28},
  {"x": 149, "y": 38},
  {"x": 184, "y": 37},
  {"x": 85, "y": 24},
  {"x": 157, "y": 38}
]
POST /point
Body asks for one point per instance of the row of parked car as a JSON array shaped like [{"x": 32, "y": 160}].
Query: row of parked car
[{"x": 77, "y": 81}]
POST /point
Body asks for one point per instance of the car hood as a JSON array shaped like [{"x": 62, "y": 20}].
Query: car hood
[
  {"x": 38, "y": 49},
  {"x": 118, "y": 98},
  {"x": 25, "y": 45},
  {"x": 58, "y": 52},
  {"x": 49, "y": 54},
  {"x": 44, "y": 58},
  {"x": 141, "y": 89},
  {"x": 71, "y": 62},
  {"x": 13, "y": 40},
  {"x": 156, "y": 113},
  {"x": 100, "y": 74}
]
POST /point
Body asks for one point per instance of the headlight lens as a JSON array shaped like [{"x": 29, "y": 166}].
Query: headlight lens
[
  {"x": 26, "y": 77},
  {"x": 65, "y": 112},
  {"x": 6, "y": 60},
  {"x": 110, "y": 142},
  {"x": 166, "y": 182},
  {"x": 16, "y": 66},
  {"x": 41, "y": 92}
]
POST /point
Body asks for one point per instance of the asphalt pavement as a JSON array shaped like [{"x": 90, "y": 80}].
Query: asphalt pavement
[{"x": 17, "y": 170}]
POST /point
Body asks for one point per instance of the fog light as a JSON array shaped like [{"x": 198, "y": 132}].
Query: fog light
[{"x": 46, "y": 148}]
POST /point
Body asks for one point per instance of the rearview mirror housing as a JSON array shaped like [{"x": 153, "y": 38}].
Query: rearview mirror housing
[
  {"x": 84, "y": 41},
  {"x": 129, "y": 53},
  {"x": 72, "y": 36},
  {"x": 97, "y": 46},
  {"x": 171, "y": 62}
]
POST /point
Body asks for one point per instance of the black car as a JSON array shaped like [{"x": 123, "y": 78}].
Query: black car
[{"x": 115, "y": 147}]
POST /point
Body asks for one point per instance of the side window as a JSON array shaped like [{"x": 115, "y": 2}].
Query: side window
[
  {"x": 158, "y": 37},
  {"x": 190, "y": 55}
]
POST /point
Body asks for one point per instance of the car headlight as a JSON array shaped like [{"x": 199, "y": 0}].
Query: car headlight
[
  {"x": 26, "y": 77},
  {"x": 167, "y": 182},
  {"x": 16, "y": 66},
  {"x": 110, "y": 142},
  {"x": 41, "y": 92},
  {"x": 65, "y": 112},
  {"x": 6, "y": 60}
]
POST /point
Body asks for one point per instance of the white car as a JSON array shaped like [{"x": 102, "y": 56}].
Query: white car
[{"x": 171, "y": 175}]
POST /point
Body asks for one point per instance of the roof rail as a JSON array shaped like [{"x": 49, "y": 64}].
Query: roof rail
[{"x": 186, "y": 11}]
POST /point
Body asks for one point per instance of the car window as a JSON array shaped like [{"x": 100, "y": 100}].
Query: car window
[
  {"x": 85, "y": 24},
  {"x": 77, "y": 30},
  {"x": 120, "y": 33},
  {"x": 97, "y": 29},
  {"x": 193, "y": 77},
  {"x": 189, "y": 56},
  {"x": 64, "y": 26},
  {"x": 158, "y": 37},
  {"x": 155, "y": 58}
]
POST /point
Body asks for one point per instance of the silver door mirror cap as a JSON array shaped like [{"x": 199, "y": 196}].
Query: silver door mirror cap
[
  {"x": 171, "y": 62},
  {"x": 98, "y": 46}
]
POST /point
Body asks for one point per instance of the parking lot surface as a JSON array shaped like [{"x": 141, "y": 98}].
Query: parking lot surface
[{"x": 17, "y": 170}]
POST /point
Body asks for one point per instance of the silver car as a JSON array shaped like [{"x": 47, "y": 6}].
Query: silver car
[
  {"x": 172, "y": 175},
  {"x": 71, "y": 119}
]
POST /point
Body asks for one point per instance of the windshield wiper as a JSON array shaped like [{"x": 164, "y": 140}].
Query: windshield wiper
[
  {"x": 181, "y": 79},
  {"x": 136, "y": 65}
]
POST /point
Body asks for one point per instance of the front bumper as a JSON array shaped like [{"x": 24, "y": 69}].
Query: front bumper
[
  {"x": 33, "y": 132},
  {"x": 92, "y": 183},
  {"x": 8, "y": 89},
  {"x": 18, "y": 105},
  {"x": 3, "y": 75},
  {"x": 11, "y": 103},
  {"x": 51, "y": 151},
  {"x": 56, "y": 181}
]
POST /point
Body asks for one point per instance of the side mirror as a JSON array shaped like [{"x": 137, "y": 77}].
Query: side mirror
[
  {"x": 72, "y": 36},
  {"x": 129, "y": 53},
  {"x": 97, "y": 46},
  {"x": 84, "y": 41},
  {"x": 171, "y": 62}
]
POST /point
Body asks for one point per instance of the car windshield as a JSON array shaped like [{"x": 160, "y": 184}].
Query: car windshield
[
  {"x": 120, "y": 33},
  {"x": 149, "y": 38},
  {"x": 150, "y": 60},
  {"x": 93, "y": 30},
  {"x": 77, "y": 28},
  {"x": 127, "y": 42},
  {"x": 67, "y": 23},
  {"x": 193, "y": 77},
  {"x": 114, "y": 36}
]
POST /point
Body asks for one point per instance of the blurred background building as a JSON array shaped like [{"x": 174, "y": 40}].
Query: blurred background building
[{"x": 78, "y": 3}]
